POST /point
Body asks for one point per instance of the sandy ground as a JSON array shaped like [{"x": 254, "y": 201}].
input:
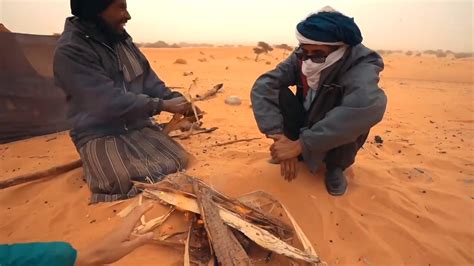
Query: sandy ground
[{"x": 410, "y": 200}]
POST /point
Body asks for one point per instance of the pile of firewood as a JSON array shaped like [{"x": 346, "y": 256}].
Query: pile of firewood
[{"x": 224, "y": 231}]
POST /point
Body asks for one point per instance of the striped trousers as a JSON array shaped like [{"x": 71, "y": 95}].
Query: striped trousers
[{"x": 111, "y": 163}]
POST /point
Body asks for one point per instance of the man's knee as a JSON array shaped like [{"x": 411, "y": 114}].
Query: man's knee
[{"x": 344, "y": 155}]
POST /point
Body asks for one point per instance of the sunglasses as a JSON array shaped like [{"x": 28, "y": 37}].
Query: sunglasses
[{"x": 317, "y": 56}]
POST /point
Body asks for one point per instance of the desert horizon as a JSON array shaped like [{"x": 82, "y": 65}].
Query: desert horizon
[{"x": 386, "y": 25}]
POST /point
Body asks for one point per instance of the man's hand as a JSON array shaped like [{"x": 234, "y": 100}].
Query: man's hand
[
  {"x": 178, "y": 105},
  {"x": 190, "y": 114},
  {"x": 289, "y": 169},
  {"x": 117, "y": 243},
  {"x": 284, "y": 149}
]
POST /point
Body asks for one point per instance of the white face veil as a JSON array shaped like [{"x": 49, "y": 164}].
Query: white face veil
[{"x": 313, "y": 70}]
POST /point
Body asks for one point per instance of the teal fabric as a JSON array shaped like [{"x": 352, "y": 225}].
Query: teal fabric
[
  {"x": 330, "y": 27},
  {"x": 38, "y": 254}
]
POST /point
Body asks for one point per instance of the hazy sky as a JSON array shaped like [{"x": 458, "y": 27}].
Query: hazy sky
[{"x": 385, "y": 24}]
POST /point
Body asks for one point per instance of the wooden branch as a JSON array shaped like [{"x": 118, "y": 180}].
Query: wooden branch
[
  {"x": 187, "y": 258},
  {"x": 234, "y": 141},
  {"x": 191, "y": 100},
  {"x": 210, "y": 93},
  {"x": 154, "y": 223},
  {"x": 198, "y": 246},
  {"x": 215, "y": 215},
  {"x": 219, "y": 213},
  {"x": 140, "y": 202},
  {"x": 196, "y": 132},
  {"x": 54, "y": 171},
  {"x": 308, "y": 248},
  {"x": 172, "y": 124},
  {"x": 264, "y": 239},
  {"x": 187, "y": 201},
  {"x": 226, "y": 246}
]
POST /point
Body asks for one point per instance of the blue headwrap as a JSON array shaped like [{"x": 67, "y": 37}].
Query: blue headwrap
[{"x": 330, "y": 27}]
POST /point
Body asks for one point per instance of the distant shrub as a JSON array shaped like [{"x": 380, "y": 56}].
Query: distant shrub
[
  {"x": 265, "y": 46},
  {"x": 285, "y": 47},
  {"x": 258, "y": 51},
  {"x": 463, "y": 55},
  {"x": 437, "y": 53},
  {"x": 441, "y": 53},
  {"x": 159, "y": 44}
]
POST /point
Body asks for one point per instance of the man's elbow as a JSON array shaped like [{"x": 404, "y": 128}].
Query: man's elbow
[
  {"x": 255, "y": 94},
  {"x": 379, "y": 109}
]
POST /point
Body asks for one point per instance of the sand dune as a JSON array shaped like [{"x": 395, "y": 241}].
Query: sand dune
[{"x": 410, "y": 200}]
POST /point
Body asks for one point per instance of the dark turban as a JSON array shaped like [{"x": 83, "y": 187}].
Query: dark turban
[
  {"x": 330, "y": 27},
  {"x": 88, "y": 8}
]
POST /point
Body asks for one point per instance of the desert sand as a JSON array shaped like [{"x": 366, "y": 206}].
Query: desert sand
[{"x": 410, "y": 200}]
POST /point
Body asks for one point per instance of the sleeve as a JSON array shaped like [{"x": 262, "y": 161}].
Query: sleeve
[
  {"x": 79, "y": 73},
  {"x": 40, "y": 254},
  {"x": 363, "y": 105},
  {"x": 265, "y": 93},
  {"x": 154, "y": 87}
]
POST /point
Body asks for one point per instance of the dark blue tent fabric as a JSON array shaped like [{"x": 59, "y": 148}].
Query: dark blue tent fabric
[{"x": 30, "y": 103}]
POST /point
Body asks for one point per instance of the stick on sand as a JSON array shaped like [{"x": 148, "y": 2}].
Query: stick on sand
[
  {"x": 234, "y": 141},
  {"x": 14, "y": 181},
  {"x": 196, "y": 132},
  {"x": 210, "y": 93}
]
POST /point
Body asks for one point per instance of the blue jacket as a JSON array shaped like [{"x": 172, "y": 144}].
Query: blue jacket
[
  {"x": 38, "y": 254},
  {"x": 100, "y": 101},
  {"x": 361, "y": 105}
]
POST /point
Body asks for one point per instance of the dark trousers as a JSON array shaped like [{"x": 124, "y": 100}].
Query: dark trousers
[{"x": 295, "y": 117}]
